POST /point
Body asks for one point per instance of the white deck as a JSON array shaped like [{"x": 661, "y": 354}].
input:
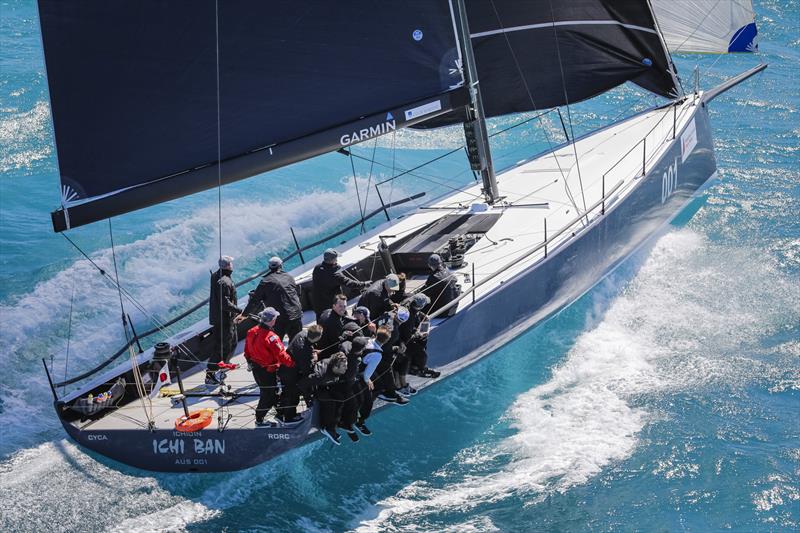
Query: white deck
[{"x": 518, "y": 231}]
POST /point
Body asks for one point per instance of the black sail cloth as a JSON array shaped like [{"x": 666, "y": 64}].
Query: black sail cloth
[
  {"x": 133, "y": 88},
  {"x": 523, "y": 48}
]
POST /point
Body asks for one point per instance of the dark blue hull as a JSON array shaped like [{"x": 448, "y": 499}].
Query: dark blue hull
[
  {"x": 520, "y": 303},
  {"x": 203, "y": 451}
]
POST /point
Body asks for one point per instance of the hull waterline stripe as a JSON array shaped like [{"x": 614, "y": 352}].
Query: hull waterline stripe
[{"x": 562, "y": 23}]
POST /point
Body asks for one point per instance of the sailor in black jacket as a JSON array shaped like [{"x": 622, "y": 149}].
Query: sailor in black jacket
[
  {"x": 378, "y": 296},
  {"x": 351, "y": 386},
  {"x": 279, "y": 290},
  {"x": 325, "y": 375},
  {"x": 441, "y": 285},
  {"x": 223, "y": 315},
  {"x": 304, "y": 349},
  {"x": 328, "y": 281},
  {"x": 333, "y": 321}
]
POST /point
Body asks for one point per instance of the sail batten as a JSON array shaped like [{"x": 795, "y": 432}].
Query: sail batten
[{"x": 544, "y": 25}]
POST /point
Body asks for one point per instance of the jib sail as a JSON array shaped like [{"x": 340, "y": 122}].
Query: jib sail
[{"x": 536, "y": 54}]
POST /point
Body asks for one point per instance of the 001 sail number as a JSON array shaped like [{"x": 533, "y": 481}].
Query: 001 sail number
[{"x": 669, "y": 181}]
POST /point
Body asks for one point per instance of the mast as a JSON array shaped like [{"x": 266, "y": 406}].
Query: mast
[{"x": 480, "y": 156}]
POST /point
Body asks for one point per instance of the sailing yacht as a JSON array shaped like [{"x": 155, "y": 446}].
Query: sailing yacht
[{"x": 152, "y": 101}]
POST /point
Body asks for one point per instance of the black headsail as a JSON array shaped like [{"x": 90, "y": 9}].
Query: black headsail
[
  {"x": 133, "y": 87},
  {"x": 525, "y": 48}
]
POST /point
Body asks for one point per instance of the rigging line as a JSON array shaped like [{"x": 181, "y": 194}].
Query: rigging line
[
  {"x": 139, "y": 381},
  {"x": 219, "y": 130},
  {"x": 69, "y": 334},
  {"x": 358, "y": 194},
  {"x": 135, "y": 366},
  {"x": 394, "y": 161},
  {"x": 159, "y": 325},
  {"x": 411, "y": 170},
  {"x": 374, "y": 262},
  {"x": 569, "y": 114},
  {"x": 528, "y": 91},
  {"x": 369, "y": 180},
  {"x": 219, "y": 182},
  {"x": 460, "y": 147},
  {"x": 116, "y": 275},
  {"x": 422, "y": 177}
]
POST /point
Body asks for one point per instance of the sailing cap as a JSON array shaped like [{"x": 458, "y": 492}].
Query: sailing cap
[
  {"x": 330, "y": 255},
  {"x": 359, "y": 343},
  {"x": 338, "y": 363},
  {"x": 362, "y": 310},
  {"x": 392, "y": 281},
  {"x": 314, "y": 333},
  {"x": 420, "y": 300},
  {"x": 402, "y": 314},
  {"x": 352, "y": 327},
  {"x": 434, "y": 260},
  {"x": 268, "y": 315},
  {"x": 275, "y": 262},
  {"x": 226, "y": 262}
]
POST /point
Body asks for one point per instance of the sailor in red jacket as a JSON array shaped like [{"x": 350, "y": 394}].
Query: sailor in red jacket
[{"x": 264, "y": 351}]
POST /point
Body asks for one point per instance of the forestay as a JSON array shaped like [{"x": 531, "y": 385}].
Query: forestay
[
  {"x": 708, "y": 26},
  {"x": 148, "y": 96}
]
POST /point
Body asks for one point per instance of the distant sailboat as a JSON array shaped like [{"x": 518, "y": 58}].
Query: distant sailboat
[{"x": 152, "y": 101}]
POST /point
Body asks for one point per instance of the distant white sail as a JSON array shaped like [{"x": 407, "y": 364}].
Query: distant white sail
[{"x": 707, "y": 26}]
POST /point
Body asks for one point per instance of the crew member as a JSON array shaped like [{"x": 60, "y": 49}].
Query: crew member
[
  {"x": 347, "y": 387},
  {"x": 385, "y": 386},
  {"x": 378, "y": 296},
  {"x": 328, "y": 280},
  {"x": 333, "y": 321},
  {"x": 441, "y": 285},
  {"x": 414, "y": 332},
  {"x": 325, "y": 376},
  {"x": 365, "y": 327},
  {"x": 264, "y": 351},
  {"x": 402, "y": 362},
  {"x": 223, "y": 315},
  {"x": 364, "y": 387},
  {"x": 304, "y": 350},
  {"x": 279, "y": 290}
]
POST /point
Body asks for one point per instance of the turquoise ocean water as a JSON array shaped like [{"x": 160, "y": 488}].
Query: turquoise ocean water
[{"x": 667, "y": 398}]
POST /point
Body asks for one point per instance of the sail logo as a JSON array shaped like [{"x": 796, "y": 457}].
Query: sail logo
[
  {"x": 367, "y": 133},
  {"x": 669, "y": 181}
]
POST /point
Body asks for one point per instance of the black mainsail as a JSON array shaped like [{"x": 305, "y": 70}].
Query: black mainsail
[{"x": 135, "y": 89}]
